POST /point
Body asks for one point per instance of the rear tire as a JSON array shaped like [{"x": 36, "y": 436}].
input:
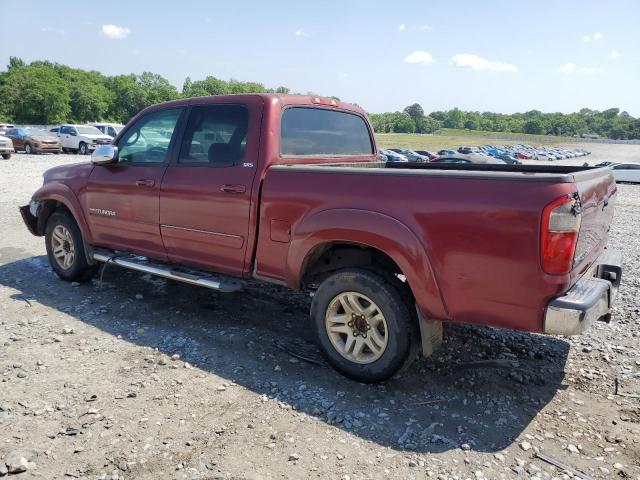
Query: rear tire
[
  {"x": 362, "y": 325},
  {"x": 82, "y": 149},
  {"x": 65, "y": 248},
  {"x": 6, "y": 156}
]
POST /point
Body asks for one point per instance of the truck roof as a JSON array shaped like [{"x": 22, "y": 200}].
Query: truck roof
[{"x": 282, "y": 98}]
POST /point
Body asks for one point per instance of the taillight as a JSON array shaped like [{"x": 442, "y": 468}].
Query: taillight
[{"x": 560, "y": 226}]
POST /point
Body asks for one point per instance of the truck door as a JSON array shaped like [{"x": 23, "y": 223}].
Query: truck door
[
  {"x": 205, "y": 199},
  {"x": 64, "y": 136},
  {"x": 122, "y": 200}
]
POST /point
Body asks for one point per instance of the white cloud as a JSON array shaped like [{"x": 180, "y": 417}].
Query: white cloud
[
  {"x": 420, "y": 57},
  {"x": 343, "y": 75},
  {"x": 403, "y": 27},
  {"x": 114, "y": 32},
  {"x": 469, "y": 60},
  {"x": 571, "y": 68},
  {"x": 301, "y": 33},
  {"x": 615, "y": 55},
  {"x": 567, "y": 68},
  {"x": 595, "y": 37}
]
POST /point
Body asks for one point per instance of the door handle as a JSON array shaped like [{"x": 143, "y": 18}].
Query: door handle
[
  {"x": 145, "y": 183},
  {"x": 233, "y": 188}
]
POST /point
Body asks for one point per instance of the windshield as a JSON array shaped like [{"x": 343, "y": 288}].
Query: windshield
[{"x": 88, "y": 130}]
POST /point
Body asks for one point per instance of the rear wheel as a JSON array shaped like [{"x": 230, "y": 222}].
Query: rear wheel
[
  {"x": 65, "y": 248},
  {"x": 363, "y": 325},
  {"x": 6, "y": 156},
  {"x": 83, "y": 149}
]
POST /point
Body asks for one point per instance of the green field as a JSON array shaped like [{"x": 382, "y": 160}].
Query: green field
[{"x": 449, "y": 138}]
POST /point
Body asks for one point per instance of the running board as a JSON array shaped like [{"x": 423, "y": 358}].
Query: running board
[{"x": 143, "y": 264}]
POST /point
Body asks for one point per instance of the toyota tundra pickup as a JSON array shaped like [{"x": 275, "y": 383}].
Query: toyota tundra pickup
[{"x": 286, "y": 189}]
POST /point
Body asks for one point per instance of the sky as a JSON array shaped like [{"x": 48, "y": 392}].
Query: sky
[{"x": 500, "y": 56}]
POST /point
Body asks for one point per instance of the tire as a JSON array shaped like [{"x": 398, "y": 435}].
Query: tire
[
  {"x": 82, "y": 149},
  {"x": 6, "y": 156},
  {"x": 27, "y": 149},
  {"x": 370, "y": 291},
  {"x": 62, "y": 227}
]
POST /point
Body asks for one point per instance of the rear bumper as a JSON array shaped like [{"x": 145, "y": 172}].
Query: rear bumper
[{"x": 589, "y": 300}]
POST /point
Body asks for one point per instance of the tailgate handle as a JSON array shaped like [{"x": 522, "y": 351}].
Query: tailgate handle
[{"x": 233, "y": 188}]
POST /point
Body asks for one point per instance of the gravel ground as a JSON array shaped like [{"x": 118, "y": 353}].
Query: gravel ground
[{"x": 144, "y": 378}]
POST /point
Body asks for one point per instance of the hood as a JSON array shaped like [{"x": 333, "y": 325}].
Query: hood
[
  {"x": 65, "y": 172},
  {"x": 5, "y": 139},
  {"x": 95, "y": 136},
  {"x": 43, "y": 138}
]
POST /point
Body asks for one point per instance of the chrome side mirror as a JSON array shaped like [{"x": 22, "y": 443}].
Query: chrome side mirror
[{"x": 104, "y": 155}]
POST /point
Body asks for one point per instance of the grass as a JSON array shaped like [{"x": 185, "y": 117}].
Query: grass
[{"x": 450, "y": 138}]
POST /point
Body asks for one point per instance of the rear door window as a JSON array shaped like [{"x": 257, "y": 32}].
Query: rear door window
[
  {"x": 215, "y": 135},
  {"x": 318, "y": 131}
]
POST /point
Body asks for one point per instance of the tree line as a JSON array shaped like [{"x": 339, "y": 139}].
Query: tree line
[
  {"x": 610, "y": 123},
  {"x": 44, "y": 92}
]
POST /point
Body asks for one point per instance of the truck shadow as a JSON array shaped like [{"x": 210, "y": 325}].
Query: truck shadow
[{"x": 482, "y": 388}]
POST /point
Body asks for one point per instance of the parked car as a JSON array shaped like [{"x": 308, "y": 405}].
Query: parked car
[
  {"x": 545, "y": 156},
  {"x": 111, "y": 129},
  {"x": 81, "y": 139},
  {"x": 6, "y": 147},
  {"x": 446, "y": 152},
  {"x": 410, "y": 155},
  {"x": 508, "y": 158},
  {"x": 468, "y": 150},
  {"x": 392, "y": 156},
  {"x": 429, "y": 155},
  {"x": 624, "y": 172},
  {"x": 33, "y": 140},
  {"x": 5, "y": 126},
  {"x": 524, "y": 155},
  {"x": 468, "y": 158},
  {"x": 389, "y": 253}
]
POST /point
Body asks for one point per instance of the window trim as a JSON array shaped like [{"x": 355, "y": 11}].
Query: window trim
[
  {"x": 324, "y": 155},
  {"x": 175, "y": 162},
  {"x": 170, "y": 148}
]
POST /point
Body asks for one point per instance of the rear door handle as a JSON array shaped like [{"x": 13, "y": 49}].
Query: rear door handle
[
  {"x": 145, "y": 183},
  {"x": 233, "y": 188}
]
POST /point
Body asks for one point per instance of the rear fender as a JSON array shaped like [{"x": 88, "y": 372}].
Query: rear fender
[{"x": 375, "y": 230}]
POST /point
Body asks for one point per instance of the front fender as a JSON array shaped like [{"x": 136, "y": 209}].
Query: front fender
[
  {"x": 372, "y": 229},
  {"x": 60, "y": 192}
]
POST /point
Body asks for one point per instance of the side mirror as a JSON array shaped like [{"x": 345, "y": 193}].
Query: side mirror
[
  {"x": 73, "y": 134},
  {"x": 105, "y": 155}
]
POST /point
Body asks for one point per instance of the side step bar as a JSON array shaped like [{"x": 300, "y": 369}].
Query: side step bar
[{"x": 173, "y": 272}]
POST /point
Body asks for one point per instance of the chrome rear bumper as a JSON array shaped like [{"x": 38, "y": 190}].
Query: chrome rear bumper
[{"x": 589, "y": 300}]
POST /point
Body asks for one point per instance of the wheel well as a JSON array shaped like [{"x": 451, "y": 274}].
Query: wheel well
[
  {"x": 329, "y": 257},
  {"x": 48, "y": 207}
]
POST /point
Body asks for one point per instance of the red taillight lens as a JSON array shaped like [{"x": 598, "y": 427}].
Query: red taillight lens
[{"x": 559, "y": 234}]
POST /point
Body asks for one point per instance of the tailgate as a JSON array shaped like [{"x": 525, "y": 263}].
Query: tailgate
[{"x": 597, "y": 191}]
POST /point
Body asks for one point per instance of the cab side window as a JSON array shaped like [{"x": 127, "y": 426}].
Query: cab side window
[
  {"x": 215, "y": 135},
  {"x": 147, "y": 140}
]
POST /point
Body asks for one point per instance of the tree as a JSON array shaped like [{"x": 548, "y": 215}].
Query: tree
[
  {"x": 533, "y": 126},
  {"x": 415, "y": 111},
  {"x": 35, "y": 94}
]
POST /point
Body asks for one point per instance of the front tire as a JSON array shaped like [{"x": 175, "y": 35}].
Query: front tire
[
  {"x": 6, "y": 156},
  {"x": 27, "y": 149},
  {"x": 65, "y": 248},
  {"x": 362, "y": 325}
]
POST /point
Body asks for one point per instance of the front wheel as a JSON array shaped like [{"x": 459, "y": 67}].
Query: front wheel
[
  {"x": 6, "y": 156},
  {"x": 65, "y": 248},
  {"x": 362, "y": 325},
  {"x": 27, "y": 149}
]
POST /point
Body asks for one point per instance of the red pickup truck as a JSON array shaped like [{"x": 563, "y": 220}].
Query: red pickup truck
[{"x": 290, "y": 190}]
